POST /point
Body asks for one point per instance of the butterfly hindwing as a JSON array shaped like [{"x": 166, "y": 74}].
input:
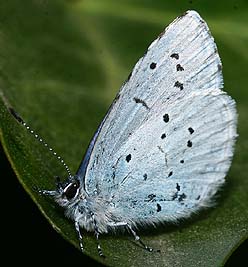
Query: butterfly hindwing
[{"x": 178, "y": 174}]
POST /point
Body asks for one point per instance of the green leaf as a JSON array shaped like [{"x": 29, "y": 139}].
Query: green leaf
[{"x": 61, "y": 64}]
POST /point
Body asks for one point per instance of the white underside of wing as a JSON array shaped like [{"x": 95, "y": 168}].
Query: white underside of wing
[
  {"x": 146, "y": 147},
  {"x": 182, "y": 171}
]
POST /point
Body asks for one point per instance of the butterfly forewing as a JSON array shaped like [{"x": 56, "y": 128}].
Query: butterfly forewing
[{"x": 167, "y": 141}]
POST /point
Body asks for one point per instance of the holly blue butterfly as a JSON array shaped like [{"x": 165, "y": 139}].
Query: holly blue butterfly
[{"x": 165, "y": 145}]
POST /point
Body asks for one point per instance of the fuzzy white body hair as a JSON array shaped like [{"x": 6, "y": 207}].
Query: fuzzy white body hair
[{"x": 81, "y": 208}]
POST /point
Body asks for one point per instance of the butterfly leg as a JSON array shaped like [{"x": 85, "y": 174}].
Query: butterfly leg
[
  {"x": 137, "y": 238},
  {"x": 80, "y": 238},
  {"x": 97, "y": 235}
]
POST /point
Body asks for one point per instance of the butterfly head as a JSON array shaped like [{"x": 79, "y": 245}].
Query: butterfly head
[{"x": 66, "y": 192}]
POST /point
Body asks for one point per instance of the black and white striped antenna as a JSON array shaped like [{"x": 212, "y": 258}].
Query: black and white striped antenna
[{"x": 30, "y": 130}]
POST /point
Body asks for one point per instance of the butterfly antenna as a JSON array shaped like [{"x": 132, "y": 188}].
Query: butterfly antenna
[{"x": 30, "y": 130}]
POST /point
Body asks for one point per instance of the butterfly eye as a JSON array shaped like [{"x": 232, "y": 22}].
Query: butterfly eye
[{"x": 71, "y": 190}]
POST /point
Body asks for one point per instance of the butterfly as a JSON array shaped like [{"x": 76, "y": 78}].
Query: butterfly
[{"x": 165, "y": 145}]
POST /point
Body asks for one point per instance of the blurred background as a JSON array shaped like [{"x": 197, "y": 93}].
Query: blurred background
[{"x": 63, "y": 62}]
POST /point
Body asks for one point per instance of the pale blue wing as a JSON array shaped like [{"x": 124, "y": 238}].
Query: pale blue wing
[
  {"x": 174, "y": 88},
  {"x": 178, "y": 174}
]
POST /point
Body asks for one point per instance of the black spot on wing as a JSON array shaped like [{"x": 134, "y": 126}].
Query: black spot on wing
[
  {"x": 158, "y": 208},
  {"x": 128, "y": 157},
  {"x": 170, "y": 173},
  {"x": 166, "y": 117},
  {"x": 178, "y": 187},
  {"x": 163, "y": 136},
  {"x": 191, "y": 130},
  {"x": 175, "y": 55},
  {"x": 189, "y": 143},
  {"x": 179, "y": 67},
  {"x": 178, "y": 85},
  {"x": 150, "y": 198},
  {"x": 181, "y": 161},
  {"x": 181, "y": 197},
  {"x": 140, "y": 101},
  {"x": 153, "y": 65},
  {"x": 145, "y": 177}
]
